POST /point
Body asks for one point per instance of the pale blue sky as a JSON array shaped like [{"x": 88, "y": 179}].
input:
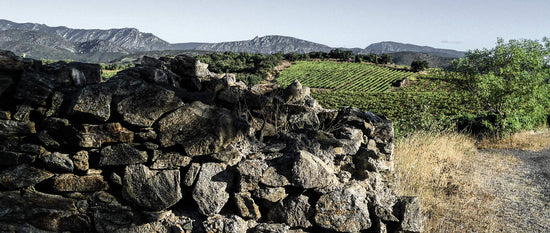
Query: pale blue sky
[{"x": 455, "y": 24}]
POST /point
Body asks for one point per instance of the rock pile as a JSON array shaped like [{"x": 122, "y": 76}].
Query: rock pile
[{"x": 170, "y": 147}]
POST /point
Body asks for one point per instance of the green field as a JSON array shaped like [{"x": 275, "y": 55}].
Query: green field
[{"x": 338, "y": 76}]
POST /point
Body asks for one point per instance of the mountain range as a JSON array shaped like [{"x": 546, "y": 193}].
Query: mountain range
[{"x": 95, "y": 45}]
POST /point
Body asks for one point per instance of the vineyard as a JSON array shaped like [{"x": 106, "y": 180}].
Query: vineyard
[{"x": 336, "y": 76}]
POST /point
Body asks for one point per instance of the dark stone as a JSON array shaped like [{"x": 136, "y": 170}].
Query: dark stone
[
  {"x": 91, "y": 73},
  {"x": 57, "y": 161},
  {"x": 35, "y": 88},
  {"x": 210, "y": 190},
  {"x": 145, "y": 107},
  {"x": 121, "y": 154},
  {"x": 170, "y": 160},
  {"x": 191, "y": 174},
  {"x": 93, "y": 102},
  {"x": 343, "y": 210},
  {"x": 11, "y": 128},
  {"x": 9, "y": 158},
  {"x": 80, "y": 161},
  {"x": 45, "y": 211},
  {"x": 97, "y": 135},
  {"x": 22, "y": 176},
  {"x": 74, "y": 183},
  {"x": 200, "y": 129},
  {"x": 151, "y": 190}
]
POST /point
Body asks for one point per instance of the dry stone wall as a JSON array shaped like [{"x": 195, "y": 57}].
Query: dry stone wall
[{"x": 168, "y": 146}]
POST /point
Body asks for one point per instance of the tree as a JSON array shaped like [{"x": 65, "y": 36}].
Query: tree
[
  {"x": 419, "y": 65},
  {"x": 509, "y": 81},
  {"x": 385, "y": 59}
]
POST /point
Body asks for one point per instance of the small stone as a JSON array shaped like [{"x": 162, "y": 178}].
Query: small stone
[
  {"x": 222, "y": 224},
  {"x": 5, "y": 115},
  {"x": 11, "y": 128},
  {"x": 121, "y": 154},
  {"x": 80, "y": 161},
  {"x": 270, "y": 228},
  {"x": 246, "y": 206},
  {"x": 170, "y": 160},
  {"x": 250, "y": 173},
  {"x": 22, "y": 113},
  {"x": 58, "y": 161},
  {"x": 97, "y": 135},
  {"x": 191, "y": 174},
  {"x": 22, "y": 176},
  {"x": 74, "y": 183},
  {"x": 270, "y": 194}
]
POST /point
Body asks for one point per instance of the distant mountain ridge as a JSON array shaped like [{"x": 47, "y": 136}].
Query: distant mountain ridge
[
  {"x": 96, "y": 45},
  {"x": 394, "y": 47}
]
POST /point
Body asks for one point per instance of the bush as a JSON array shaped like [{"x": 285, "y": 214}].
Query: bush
[{"x": 417, "y": 65}]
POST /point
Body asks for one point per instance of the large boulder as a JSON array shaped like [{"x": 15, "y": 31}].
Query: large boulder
[
  {"x": 201, "y": 129},
  {"x": 210, "y": 192},
  {"x": 93, "y": 102},
  {"x": 344, "y": 210},
  {"x": 44, "y": 211},
  {"x": 22, "y": 176},
  {"x": 143, "y": 108},
  {"x": 151, "y": 190},
  {"x": 311, "y": 172}
]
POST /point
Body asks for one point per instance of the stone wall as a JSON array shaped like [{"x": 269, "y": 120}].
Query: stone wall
[{"x": 170, "y": 147}]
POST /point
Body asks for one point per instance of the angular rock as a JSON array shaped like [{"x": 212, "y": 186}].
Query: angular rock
[
  {"x": 5, "y": 115},
  {"x": 200, "y": 129},
  {"x": 58, "y": 161},
  {"x": 230, "y": 157},
  {"x": 121, "y": 154},
  {"x": 151, "y": 190},
  {"x": 44, "y": 211},
  {"x": 275, "y": 177},
  {"x": 296, "y": 211},
  {"x": 222, "y": 224},
  {"x": 10, "y": 62},
  {"x": 97, "y": 135},
  {"x": 294, "y": 92},
  {"x": 11, "y": 128},
  {"x": 246, "y": 206},
  {"x": 169, "y": 160},
  {"x": 192, "y": 174},
  {"x": 146, "y": 134},
  {"x": 311, "y": 172},
  {"x": 22, "y": 176},
  {"x": 187, "y": 66},
  {"x": 93, "y": 102},
  {"x": 343, "y": 210},
  {"x": 80, "y": 161},
  {"x": 250, "y": 173},
  {"x": 74, "y": 183},
  {"x": 307, "y": 120},
  {"x": 272, "y": 195},
  {"x": 35, "y": 88},
  {"x": 90, "y": 73},
  {"x": 10, "y": 158},
  {"x": 270, "y": 228},
  {"x": 47, "y": 140},
  {"x": 55, "y": 105},
  {"x": 147, "y": 106},
  {"x": 408, "y": 210},
  {"x": 109, "y": 215},
  {"x": 210, "y": 190},
  {"x": 22, "y": 113}
]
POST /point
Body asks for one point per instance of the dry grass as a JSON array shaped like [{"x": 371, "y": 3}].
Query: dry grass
[
  {"x": 442, "y": 169},
  {"x": 527, "y": 140}
]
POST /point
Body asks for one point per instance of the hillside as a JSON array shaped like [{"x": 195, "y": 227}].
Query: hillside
[
  {"x": 267, "y": 44},
  {"x": 95, "y": 45},
  {"x": 392, "y": 47},
  {"x": 406, "y": 58}
]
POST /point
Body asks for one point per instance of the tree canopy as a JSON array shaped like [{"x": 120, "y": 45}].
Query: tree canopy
[{"x": 510, "y": 81}]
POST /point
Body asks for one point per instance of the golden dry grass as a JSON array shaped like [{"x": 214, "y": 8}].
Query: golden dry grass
[
  {"x": 526, "y": 140},
  {"x": 443, "y": 170}
]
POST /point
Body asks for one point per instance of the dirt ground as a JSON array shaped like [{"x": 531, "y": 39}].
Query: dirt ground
[{"x": 524, "y": 195}]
